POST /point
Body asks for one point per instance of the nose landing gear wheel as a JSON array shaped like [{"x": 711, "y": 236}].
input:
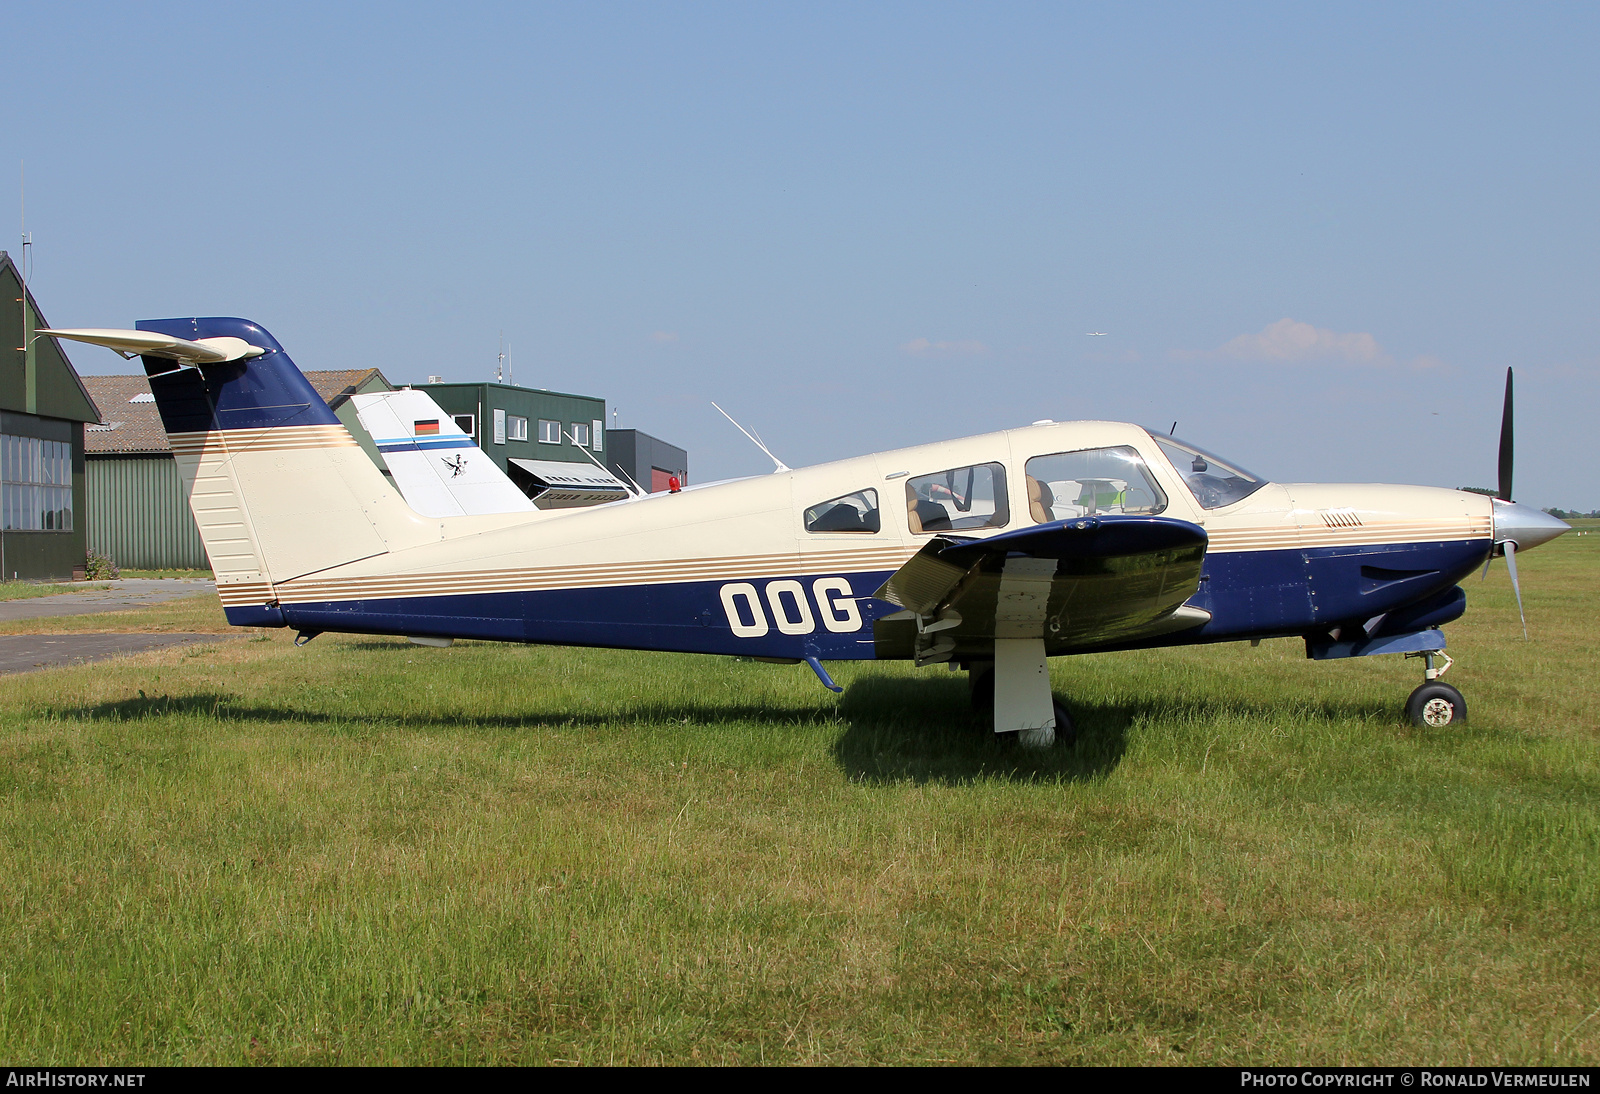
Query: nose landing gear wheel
[{"x": 1435, "y": 705}]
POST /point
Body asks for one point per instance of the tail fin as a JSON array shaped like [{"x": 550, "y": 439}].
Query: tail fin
[
  {"x": 277, "y": 485},
  {"x": 436, "y": 466}
]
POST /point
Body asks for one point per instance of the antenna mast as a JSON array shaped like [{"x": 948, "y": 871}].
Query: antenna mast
[
  {"x": 29, "y": 367},
  {"x": 500, "y": 360},
  {"x": 781, "y": 466},
  {"x": 22, "y": 220}
]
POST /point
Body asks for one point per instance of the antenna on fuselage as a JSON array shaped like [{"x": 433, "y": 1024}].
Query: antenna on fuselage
[
  {"x": 638, "y": 491},
  {"x": 1173, "y": 432},
  {"x": 781, "y": 466}
]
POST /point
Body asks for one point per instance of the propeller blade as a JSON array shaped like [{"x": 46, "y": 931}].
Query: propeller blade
[
  {"x": 1505, "y": 444},
  {"x": 1486, "y": 564},
  {"x": 1511, "y": 565}
]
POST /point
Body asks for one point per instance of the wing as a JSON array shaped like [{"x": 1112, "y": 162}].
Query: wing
[{"x": 1078, "y": 584}]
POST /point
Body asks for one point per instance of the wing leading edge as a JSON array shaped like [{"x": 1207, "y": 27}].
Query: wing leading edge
[{"x": 1076, "y": 584}]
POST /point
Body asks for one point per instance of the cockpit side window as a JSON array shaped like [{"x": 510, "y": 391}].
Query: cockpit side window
[
  {"x": 1213, "y": 482},
  {"x": 960, "y": 498},
  {"x": 1093, "y": 480},
  {"x": 856, "y": 512}
]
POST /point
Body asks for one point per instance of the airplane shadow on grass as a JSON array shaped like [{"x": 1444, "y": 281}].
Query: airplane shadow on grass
[
  {"x": 229, "y": 708},
  {"x": 896, "y": 729}
]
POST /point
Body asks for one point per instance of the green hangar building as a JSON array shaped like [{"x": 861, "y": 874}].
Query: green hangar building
[
  {"x": 43, "y": 409},
  {"x": 529, "y": 432}
]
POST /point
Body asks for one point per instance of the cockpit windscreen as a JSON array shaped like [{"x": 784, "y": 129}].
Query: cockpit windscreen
[{"x": 1213, "y": 482}]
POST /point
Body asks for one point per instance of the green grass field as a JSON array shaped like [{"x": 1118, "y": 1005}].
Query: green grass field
[{"x": 365, "y": 851}]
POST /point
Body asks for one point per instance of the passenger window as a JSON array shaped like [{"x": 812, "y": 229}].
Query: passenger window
[
  {"x": 961, "y": 498},
  {"x": 1095, "y": 480},
  {"x": 856, "y": 512}
]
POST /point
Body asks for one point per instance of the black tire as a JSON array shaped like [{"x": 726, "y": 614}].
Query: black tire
[
  {"x": 1435, "y": 706},
  {"x": 1066, "y": 728}
]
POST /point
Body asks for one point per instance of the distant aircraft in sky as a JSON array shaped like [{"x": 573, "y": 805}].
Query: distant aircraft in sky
[
  {"x": 988, "y": 553},
  {"x": 1095, "y": 334}
]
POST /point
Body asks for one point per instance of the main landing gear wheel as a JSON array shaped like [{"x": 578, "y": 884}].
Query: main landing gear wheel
[
  {"x": 1064, "y": 734},
  {"x": 1435, "y": 705},
  {"x": 1066, "y": 731}
]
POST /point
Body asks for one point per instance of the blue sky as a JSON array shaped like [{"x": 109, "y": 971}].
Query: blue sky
[{"x": 1315, "y": 235}]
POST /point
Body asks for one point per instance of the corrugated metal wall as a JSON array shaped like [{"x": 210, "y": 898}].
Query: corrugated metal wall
[{"x": 139, "y": 516}]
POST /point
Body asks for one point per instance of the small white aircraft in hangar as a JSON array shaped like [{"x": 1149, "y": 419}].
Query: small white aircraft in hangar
[{"x": 992, "y": 553}]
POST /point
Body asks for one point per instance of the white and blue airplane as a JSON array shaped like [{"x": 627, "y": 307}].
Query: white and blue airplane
[{"x": 991, "y": 553}]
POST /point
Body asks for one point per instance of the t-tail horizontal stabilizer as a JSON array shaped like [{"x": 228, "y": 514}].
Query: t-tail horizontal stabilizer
[{"x": 143, "y": 343}]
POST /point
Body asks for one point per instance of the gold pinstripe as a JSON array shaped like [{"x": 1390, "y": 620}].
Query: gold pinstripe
[
  {"x": 227, "y": 442},
  {"x": 1288, "y": 537}
]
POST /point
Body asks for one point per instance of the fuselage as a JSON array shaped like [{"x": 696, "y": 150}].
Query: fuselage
[{"x": 785, "y": 565}]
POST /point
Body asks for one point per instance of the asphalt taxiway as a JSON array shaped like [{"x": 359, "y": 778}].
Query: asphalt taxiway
[{"x": 25, "y": 652}]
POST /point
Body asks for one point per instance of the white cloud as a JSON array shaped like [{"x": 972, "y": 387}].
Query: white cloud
[
  {"x": 922, "y": 347},
  {"x": 1289, "y": 340}
]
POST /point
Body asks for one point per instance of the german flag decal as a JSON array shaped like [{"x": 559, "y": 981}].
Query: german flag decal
[{"x": 426, "y": 429}]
